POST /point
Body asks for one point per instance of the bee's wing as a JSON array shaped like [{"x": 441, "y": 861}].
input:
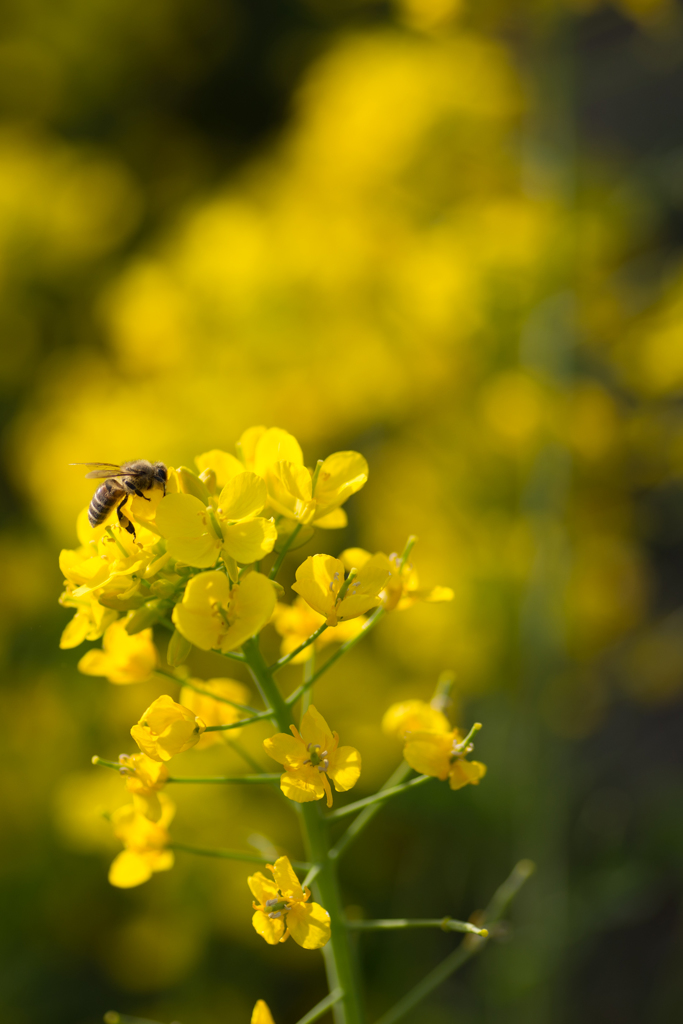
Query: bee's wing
[
  {"x": 99, "y": 469},
  {"x": 104, "y": 474}
]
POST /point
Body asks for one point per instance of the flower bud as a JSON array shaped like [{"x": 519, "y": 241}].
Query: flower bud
[
  {"x": 178, "y": 650},
  {"x": 151, "y": 612}
]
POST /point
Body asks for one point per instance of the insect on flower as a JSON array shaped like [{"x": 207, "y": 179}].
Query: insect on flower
[{"x": 131, "y": 478}]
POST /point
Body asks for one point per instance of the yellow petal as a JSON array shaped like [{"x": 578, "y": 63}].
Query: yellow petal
[
  {"x": 439, "y": 594},
  {"x": 364, "y": 591},
  {"x": 129, "y": 869},
  {"x": 197, "y": 616},
  {"x": 355, "y": 558},
  {"x": 242, "y": 497},
  {"x": 309, "y": 925},
  {"x": 261, "y": 1014},
  {"x": 335, "y": 520},
  {"x": 262, "y": 888},
  {"x": 413, "y": 716},
  {"x": 251, "y": 606},
  {"x": 302, "y": 785},
  {"x": 246, "y": 446},
  {"x": 344, "y": 768},
  {"x": 464, "y": 772},
  {"x": 183, "y": 521},
  {"x": 340, "y": 476},
  {"x": 289, "y": 491},
  {"x": 286, "y": 880},
  {"x": 224, "y": 465},
  {"x": 284, "y": 748},
  {"x": 318, "y": 581},
  {"x": 314, "y": 729},
  {"x": 429, "y": 753},
  {"x": 269, "y": 928},
  {"x": 276, "y": 445},
  {"x": 249, "y": 541}
]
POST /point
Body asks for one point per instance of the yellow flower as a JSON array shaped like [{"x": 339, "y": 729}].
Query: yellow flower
[
  {"x": 320, "y": 578},
  {"x": 282, "y": 909},
  {"x": 215, "y": 712},
  {"x": 230, "y": 524},
  {"x": 144, "y": 778},
  {"x": 89, "y": 622},
  {"x": 276, "y": 456},
  {"x": 123, "y": 658},
  {"x": 105, "y": 566},
  {"x": 144, "y": 841},
  {"x": 411, "y": 716},
  {"x": 296, "y": 622},
  {"x": 297, "y": 493},
  {"x": 310, "y": 756},
  {"x": 215, "y": 615},
  {"x": 166, "y": 729},
  {"x": 402, "y": 589},
  {"x": 261, "y": 1014},
  {"x": 442, "y": 754}
]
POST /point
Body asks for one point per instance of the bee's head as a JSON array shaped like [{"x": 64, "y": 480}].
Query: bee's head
[{"x": 160, "y": 473}]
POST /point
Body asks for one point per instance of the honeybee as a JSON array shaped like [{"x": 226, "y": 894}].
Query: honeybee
[{"x": 132, "y": 478}]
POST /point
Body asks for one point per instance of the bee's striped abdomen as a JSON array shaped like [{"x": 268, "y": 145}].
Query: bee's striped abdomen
[{"x": 104, "y": 499}]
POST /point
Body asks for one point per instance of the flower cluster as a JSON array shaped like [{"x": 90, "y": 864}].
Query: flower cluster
[
  {"x": 194, "y": 567},
  {"x": 226, "y": 517}
]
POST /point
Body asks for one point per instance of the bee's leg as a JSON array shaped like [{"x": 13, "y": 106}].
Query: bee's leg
[
  {"x": 141, "y": 495},
  {"x": 123, "y": 520}
]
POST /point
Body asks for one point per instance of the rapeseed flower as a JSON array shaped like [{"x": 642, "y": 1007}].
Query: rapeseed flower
[
  {"x": 315, "y": 497},
  {"x": 320, "y": 579},
  {"x": 443, "y": 755},
  {"x": 166, "y": 729},
  {"x": 145, "y": 844},
  {"x": 413, "y": 716},
  {"x": 402, "y": 589},
  {"x": 282, "y": 909},
  {"x": 89, "y": 622},
  {"x": 217, "y": 615},
  {"x": 123, "y": 658},
  {"x": 294, "y": 491},
  {"x": 297, "y": 621},
  {"x": 310, "y": 756},
  {"x": 215, "y": 712},
  {"x": 197, "y": 533},
  {"x": 144, "y": 778}
]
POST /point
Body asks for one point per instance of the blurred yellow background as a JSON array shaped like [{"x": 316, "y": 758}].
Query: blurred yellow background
[{"x": 446, "y": 235}]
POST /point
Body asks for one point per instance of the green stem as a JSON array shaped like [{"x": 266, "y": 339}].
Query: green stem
[
  {"x": 366, "y": 816},
  {"x": 285, "y": 548},
  {"x": 369, "y": 623},
  {"x": 446, "y": 924},
  {"x": 252, "y": 780},
  {"x": 337, "y": 953},
  {"x": 320, "y": 1008},
  {"x": 249, "y": 858},
  {"x": 309, "y": 672},
  {"x": 384, "y": 794},
  {"x": 243, "y": 721},
  {"x": 302, "y": 647},
  {"x": 233, "y": 655},
  {"x": 468, "y": 948}
]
